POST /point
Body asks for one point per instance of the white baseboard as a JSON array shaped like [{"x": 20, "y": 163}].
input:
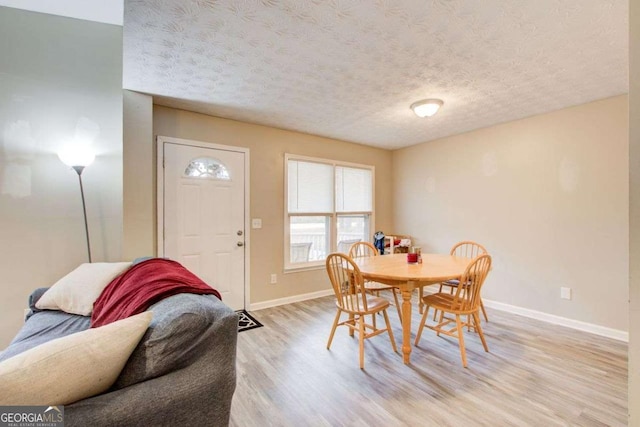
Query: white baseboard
[
  {"x": 290, "y": 300},
  {"x": 615, "y": 334},
  {"x": 603, "y": 331}
]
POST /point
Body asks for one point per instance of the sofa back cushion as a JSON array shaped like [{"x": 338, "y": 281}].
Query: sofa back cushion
[{"x": 173, "y": 338}]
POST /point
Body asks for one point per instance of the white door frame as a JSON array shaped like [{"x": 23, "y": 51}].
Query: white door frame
[{"x": 160, "y": 141}]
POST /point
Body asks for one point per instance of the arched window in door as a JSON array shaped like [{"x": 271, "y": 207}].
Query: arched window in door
[{"x": 207, "y": 167}]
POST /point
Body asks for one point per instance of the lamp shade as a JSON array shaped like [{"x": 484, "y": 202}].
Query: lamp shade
[
  {"x": 426, "y": 107},
  {"x": 76, "y": 155}
]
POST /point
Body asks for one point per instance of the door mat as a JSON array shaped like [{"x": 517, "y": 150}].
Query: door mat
[{"x": 246, "y": 321}]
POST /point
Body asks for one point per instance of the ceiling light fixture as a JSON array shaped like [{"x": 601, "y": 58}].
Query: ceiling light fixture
[{"x": 426, "y": 107}]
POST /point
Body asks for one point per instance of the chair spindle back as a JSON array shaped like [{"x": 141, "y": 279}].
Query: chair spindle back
[
  {"x": 362, "y": 249},
  {"x": 467, "y": 298},
  {"x": 347, "y": 282},
  {"x": 468, "y": 249}
]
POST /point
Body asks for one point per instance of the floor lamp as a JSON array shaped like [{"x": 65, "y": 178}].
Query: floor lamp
[{"x": 79, "y": 158}]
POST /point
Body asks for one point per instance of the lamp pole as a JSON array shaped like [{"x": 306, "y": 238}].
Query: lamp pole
[
  {"x": 79, "y": 170},
  {"x": 78, "y": 157}
]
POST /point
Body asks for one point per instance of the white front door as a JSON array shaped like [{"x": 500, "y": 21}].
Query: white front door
[{"x": 204, "y": 215}]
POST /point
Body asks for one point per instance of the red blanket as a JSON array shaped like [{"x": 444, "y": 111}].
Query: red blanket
[{"x": 143, "y": 285}]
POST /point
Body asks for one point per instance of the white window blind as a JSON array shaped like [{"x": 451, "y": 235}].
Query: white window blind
[
  {"x": 353, "y": 189},
  {"x": 310, "y": 187}
]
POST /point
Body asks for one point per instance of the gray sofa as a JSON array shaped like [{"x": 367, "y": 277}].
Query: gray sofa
[{"x": 183, "y": 371}]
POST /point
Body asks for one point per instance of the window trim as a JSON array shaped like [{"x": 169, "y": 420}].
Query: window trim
[{"x": 333, "y": 216}]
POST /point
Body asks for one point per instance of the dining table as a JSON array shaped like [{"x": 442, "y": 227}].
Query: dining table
[{"x": 394, "y": 270}]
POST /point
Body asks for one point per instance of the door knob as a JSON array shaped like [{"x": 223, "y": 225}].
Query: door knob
[{"x": 240, "y": 243}]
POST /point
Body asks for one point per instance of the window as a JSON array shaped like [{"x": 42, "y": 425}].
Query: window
[
  {"x": 207, "y": 167},
  {"x": 329, "y": 206}
]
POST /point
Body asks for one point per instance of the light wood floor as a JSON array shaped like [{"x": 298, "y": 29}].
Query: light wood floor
[{"x": 536, "y": 374}]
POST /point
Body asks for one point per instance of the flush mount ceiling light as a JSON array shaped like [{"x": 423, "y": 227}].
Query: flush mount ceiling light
[{"x": 426, "y": 107}]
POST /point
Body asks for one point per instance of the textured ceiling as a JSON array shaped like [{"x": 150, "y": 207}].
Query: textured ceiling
[{"x": 349, "y": 69}]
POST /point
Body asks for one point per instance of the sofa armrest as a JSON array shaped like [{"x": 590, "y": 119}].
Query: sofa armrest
[{"x": 198, "y": 394}]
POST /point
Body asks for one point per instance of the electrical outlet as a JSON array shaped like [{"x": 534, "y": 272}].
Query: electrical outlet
[
  {"x": 274, "y": 279},
  {"x": 565, "y": 293},
  {"x": 256, "y": 223}
]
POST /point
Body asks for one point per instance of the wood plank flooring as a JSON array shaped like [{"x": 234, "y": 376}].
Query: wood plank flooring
[{"x": 536, "y": 374}]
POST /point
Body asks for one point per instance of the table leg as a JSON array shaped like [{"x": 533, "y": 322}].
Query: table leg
[{"x": 406, "y": 324}]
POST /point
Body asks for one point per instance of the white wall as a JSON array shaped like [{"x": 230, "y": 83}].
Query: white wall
[
  {"x": 139, "y": 171},
  {"x": 547, "y": 196},
  {"x": 57, "y": 75},
  {"x": 634, "y": 213}
]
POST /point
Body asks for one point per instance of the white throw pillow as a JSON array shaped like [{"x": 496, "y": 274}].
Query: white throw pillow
[
  {"x": 71, "y": 368},
  {"x": 77, "y": 291}
]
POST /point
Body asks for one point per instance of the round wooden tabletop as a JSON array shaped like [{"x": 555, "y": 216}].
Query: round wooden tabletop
[{"x": 395, "y": 268}]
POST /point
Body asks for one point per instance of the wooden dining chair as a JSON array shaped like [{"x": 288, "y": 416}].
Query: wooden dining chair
[
  {"x": 352, "y": 299},
  {"x": 366, "y": 249},
  {"x": 465, "y": 301},
  {"x": 464, "y": 249}
]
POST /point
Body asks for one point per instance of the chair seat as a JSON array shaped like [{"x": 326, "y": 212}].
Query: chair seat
[
  {"x": 452, "y": 282},
  {"x": 376, "y": 286},
  {"x": 374, "y": 305},
  {"x": 442, "y": 301}
]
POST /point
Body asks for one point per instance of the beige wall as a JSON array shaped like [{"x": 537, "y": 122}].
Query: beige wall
[
  {"x": 548, "y": 197},
  {"x": 634, "y": 213},
  {"x": 139, "y": 169},
  {"x": 54, "y": 74},
  {"x": 267, "y": 148}
]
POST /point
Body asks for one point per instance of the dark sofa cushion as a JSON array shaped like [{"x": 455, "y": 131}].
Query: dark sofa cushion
[
  {"x": 168, "y": 345},
  {"x": 33, "y": 299},
  {"x": 44, "y": 326}
]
